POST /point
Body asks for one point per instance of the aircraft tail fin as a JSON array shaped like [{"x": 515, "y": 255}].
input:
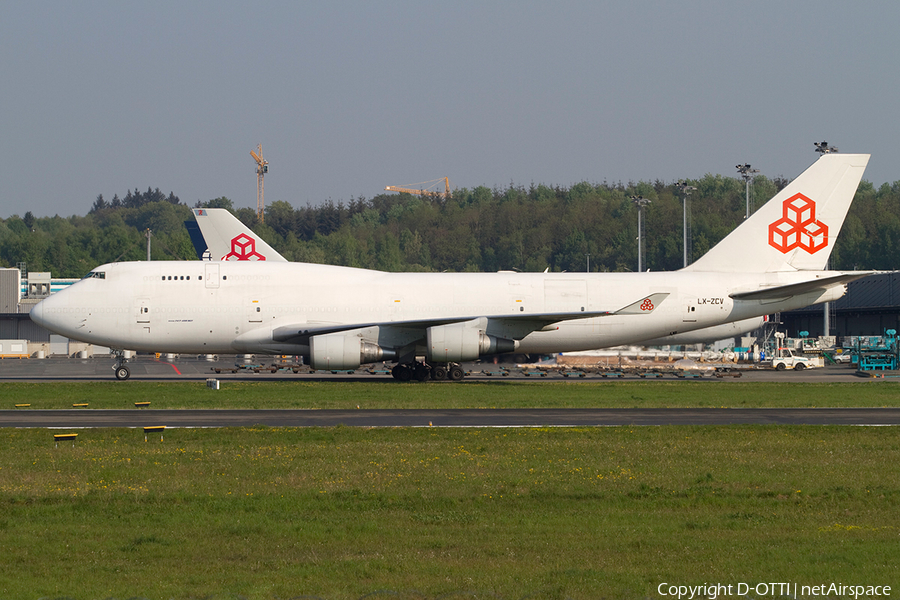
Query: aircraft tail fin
[
  {"x": 795, "y": 230},
  {"x": 197, "y": 240},
  {"x": 229, "y": 239}
]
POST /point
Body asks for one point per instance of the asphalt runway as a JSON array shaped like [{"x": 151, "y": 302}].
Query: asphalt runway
[
  {"x": 525, "y": 417},
  {"x": 149, "y": 369}
]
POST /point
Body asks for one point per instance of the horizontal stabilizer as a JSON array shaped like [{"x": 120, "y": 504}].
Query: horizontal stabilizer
[{"x": 795, "y": 289}]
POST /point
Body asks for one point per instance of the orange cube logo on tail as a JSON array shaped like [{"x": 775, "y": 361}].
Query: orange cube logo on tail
[{"x": 798, "y": 227}]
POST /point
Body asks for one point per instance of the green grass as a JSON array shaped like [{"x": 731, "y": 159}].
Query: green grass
[
  {"x": 544, "y": 513},
  {"x": 339, "y": 513},
  {"x": 495, "y": 394}
]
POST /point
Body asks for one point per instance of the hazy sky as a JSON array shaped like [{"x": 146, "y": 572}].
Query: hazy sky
[{"x": 347, "y": 97}]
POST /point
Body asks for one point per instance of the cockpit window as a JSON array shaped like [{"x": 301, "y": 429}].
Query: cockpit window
[{"x": 95, "y": 275}]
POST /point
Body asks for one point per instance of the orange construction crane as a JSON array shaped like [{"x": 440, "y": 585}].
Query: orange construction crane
[
  {"x": 427, "y": 190},
  {"x": 262, "y": 167}
]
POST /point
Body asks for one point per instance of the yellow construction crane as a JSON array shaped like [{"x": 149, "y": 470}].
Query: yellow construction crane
[
  {"x": 262, "y": 167},
  {"x": 427, "y": 190}
]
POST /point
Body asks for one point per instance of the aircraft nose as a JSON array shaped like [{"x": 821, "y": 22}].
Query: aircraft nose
[
  {"x": 43, "y": 314},
  {"x": 37, "y": 313}
]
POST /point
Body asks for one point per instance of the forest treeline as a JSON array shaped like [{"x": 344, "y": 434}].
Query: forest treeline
[{"x": 517, "y": 228}]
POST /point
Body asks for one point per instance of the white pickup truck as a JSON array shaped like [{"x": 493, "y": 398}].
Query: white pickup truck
[{"x": 786, "y": 359}]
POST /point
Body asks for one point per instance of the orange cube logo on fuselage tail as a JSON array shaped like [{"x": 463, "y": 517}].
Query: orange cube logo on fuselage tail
[{"x": 798, "y": 227}]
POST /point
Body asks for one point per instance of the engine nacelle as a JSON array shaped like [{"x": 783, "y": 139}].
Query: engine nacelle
[
  {"x": 458, "y": 342},
  {"x": 344, "y": 351}
]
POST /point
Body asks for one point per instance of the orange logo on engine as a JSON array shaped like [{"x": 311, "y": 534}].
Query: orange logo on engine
[
  {"x": 798, "y": 227},
  {"x": 243, "y": 247}
]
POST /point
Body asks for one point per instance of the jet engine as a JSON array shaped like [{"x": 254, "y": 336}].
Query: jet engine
[
  {"x": 463, "y": 341},
  {"x": 344, "y": 351}
]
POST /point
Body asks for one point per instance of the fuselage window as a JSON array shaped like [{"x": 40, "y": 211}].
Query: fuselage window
[{"x": 224, "y": 277}]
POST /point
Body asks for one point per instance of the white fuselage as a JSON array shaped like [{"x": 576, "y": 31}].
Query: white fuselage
[{"x": 227, "y": 307}]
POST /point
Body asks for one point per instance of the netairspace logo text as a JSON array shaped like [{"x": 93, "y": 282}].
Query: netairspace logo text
[{"x": 711, "y": 591}]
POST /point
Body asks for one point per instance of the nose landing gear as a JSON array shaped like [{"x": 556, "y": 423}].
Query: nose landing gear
[{"x": 121, "y": 369}]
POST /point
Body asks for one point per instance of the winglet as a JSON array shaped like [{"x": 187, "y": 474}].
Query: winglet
[{"x": 644, "y": 306}]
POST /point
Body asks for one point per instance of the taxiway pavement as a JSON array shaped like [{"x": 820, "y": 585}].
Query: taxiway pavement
[{"x": 524, "y": 417}]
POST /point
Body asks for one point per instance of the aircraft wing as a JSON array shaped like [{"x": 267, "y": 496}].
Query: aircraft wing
[
  {"x": 795, "y": 289},
  {"x": 517, "y": 325}
]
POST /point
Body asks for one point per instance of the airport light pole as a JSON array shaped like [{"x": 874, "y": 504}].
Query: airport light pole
[
  {"x": 641, "y": 202},
  {"x": 747, "y": 173},
  {"x": 686, "y": 190},
  {"x": 823, "y": 148}
]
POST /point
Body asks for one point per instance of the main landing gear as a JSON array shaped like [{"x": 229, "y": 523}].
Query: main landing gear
[
  {"x": 423, "y": 371},
  {"x": 121, "y": 369}
]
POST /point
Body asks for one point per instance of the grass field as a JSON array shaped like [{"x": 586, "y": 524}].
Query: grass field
[
  {"x": 494, "y": 394},
  {"x": 339, "y": 513}
]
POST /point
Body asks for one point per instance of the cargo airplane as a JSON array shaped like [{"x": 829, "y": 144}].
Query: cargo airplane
[
  {"x": 222, "y": 236},
  {"x": 428, "y": 323}
]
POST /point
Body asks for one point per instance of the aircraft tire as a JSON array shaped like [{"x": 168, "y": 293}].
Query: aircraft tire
[
  {"x": 422, "y": 372},
  {"x": 456, "y": 373},
  {"x": 402, "y": 373},
  {"x": 123, "y": 373},
  {"x": 439, "y": 372}
]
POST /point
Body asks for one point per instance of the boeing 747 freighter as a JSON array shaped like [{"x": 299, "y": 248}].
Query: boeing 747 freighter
[{"x": 428, "y": 323}]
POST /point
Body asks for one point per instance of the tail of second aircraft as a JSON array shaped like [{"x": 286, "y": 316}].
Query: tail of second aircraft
[
  {"x": 795, "y": 230},
  {"x": 229, "y": 239}
]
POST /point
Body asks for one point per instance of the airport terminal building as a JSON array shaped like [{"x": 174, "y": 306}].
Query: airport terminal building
[{"x": 18, "y": 334}]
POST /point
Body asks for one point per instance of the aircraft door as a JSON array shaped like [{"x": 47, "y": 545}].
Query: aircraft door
[
  {"x": 143, "y": 310},
  {"x": 396, "y": 307},
  {"x": 519, "y": 297},
  {"x": 254, "y": 311},
  {"x": 211, "y": 275},
  {"x": 690, "y": 311}
]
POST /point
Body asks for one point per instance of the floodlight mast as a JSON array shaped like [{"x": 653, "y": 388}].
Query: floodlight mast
[
  {"x": 747, "y": 173},
  {"x": 686, "y": 190},
  {"x": 823, "y": 148},
  {"x": 640, "y": 202}
]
